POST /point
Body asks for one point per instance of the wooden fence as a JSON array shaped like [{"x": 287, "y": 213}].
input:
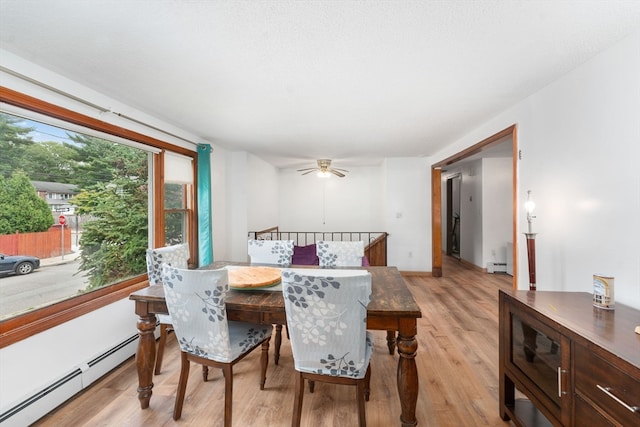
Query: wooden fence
[{"x": 46, "y": 244}]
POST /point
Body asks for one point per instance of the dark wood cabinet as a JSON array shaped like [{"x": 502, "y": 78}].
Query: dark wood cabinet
[{"x": 564, "y": 362}]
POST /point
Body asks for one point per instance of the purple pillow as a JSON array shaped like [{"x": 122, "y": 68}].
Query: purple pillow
[
  {"x": 305, "y": 255},
  {"x": 365, "y": 261}
]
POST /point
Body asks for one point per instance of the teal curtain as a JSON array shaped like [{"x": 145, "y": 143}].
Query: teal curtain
[{"x": 205, "y": 243}]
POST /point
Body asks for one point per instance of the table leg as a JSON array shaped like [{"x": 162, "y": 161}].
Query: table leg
[
  {"x": 407, "y": 371},
  {"x": 145, "y": 356}
]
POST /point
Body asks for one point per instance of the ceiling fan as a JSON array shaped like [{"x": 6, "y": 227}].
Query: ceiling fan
[{"x": 324, "y": 169}]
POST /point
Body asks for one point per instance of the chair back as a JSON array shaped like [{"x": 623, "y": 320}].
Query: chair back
[
  {"x": 196, "y": 303},
  {"x": 176, "y": 255},
  {"x": 340, "y": 254},
  {"x": 278, "y": 252},
  {"x": 327, "y": 320}
]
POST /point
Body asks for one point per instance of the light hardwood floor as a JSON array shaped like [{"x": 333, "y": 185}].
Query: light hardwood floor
[{"x": 457, "y": 364}]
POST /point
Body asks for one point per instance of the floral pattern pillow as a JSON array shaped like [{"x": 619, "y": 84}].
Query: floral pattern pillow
[
  {"x": 327, "y": 320},
  {"x": 278, "y": 252},
  {"x": 340, "y": 254},
  {"x": 196, "y": 303}
]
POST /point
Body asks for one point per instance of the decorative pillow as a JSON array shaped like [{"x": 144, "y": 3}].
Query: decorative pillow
[{"x": 305, "y": 255}]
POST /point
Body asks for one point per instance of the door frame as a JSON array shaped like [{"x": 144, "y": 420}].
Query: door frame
[
  {"x": 436, "y": 196},
  {"x": 450, "y": 222}
]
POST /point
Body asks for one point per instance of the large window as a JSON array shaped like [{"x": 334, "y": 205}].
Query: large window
[
  {"x": 116, "y": 205},
  {"x": 109, "y": 225}
]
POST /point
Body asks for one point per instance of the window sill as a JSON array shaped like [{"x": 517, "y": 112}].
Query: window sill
[{"x": 33, "y": 322}]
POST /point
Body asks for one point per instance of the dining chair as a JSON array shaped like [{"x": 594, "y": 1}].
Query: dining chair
[
  {"x": 196, "y": 302},
  {"x": 340, "y": 253},
  {"x": 327, "y": 319},
  {"x": 177, "y": 256},
  {"x": 277, "y": 252}
]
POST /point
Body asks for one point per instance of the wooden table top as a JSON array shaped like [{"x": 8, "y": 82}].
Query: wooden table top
[{"x": 390, "y": 296}]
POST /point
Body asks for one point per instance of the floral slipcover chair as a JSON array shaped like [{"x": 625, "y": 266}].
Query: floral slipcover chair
[
  {"x": 340, "y": 254},
  {"x": 178, "y": 256},
  {"x": 278, "y": 252},
  {"x": 196, "y": 302},
  {"x": 327, "y": 321}
]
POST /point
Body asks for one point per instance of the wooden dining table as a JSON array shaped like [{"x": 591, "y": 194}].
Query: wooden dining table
[{"x": 391, "y": 308}]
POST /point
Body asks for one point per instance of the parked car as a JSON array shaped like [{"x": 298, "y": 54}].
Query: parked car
[{"x": 18, "y": 264}]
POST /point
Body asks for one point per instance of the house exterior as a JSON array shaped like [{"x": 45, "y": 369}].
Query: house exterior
[{"x": 57, "y": 195}]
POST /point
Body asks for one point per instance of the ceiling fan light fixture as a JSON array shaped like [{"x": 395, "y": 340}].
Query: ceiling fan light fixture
[{"x": 324, "y": 169}]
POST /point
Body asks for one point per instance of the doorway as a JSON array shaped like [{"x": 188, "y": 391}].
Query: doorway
[
  {"x": 453, "y": 215},
  {"x": 437, "y": 229}
]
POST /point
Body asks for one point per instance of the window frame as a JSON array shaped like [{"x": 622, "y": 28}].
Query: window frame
[
  {"x": 189, "y": 198},
  {"x": 23, "y": 326}
]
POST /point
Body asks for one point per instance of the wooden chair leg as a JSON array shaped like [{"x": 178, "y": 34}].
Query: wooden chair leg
[
  {"x": 227, "y": 371},
  {"x": 391, "y": 341},
  {"x": 205, "y": 373},
  {"x": 297, "y": 403},
  {"x": 360, "y": 391},
  {"x": 277, "y": 343},
  {"x": 264, "y": 362},
  {"x": 312, "y": 386},
  {"x": 182, "y": 387},
  {"x": 367, "y": 382},
  {"x": 160, "y": 351}
]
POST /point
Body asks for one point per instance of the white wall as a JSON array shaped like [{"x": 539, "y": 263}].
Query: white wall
[
  {"x": 471, "y": 236},
  {"x": 263, "y": 194},
  {"x": 497, "y": 209},
  {"x": 219, "y": 204},
  {"x": 407, "y": 212},
  {"x": 237, "y": 206},
  {"x": 352, "y": 203},
  {"x": 393, "y": 197},
  {"x": 579, "y": 140}
]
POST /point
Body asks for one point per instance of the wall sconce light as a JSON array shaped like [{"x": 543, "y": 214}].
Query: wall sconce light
[{"x": 529, "y": 206}]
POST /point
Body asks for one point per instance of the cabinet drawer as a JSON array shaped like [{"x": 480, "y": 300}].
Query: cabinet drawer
[
  {"x": 587, "y": 415},
  {"x": 602, "y": 382}
]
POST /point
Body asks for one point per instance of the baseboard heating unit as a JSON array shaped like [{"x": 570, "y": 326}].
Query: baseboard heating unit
[
  {"x": 496, "y": 267},
  {"x": 50, "y": 397}
]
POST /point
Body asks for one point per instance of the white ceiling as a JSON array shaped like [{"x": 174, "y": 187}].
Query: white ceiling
[{"x": 293, "y": 81}]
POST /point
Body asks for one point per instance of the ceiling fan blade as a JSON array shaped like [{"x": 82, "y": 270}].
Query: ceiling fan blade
[
  {"x": 337, "y": 173},
  {"x": 308, "y": 172},
  {"x": 341, "y": 170},
  {"x": 307, "y": 169}
]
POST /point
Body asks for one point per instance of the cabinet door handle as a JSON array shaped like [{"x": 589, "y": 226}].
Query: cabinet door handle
[
  {"x": 560, "y": 372},
  {"x": 607, "y": 391}
]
